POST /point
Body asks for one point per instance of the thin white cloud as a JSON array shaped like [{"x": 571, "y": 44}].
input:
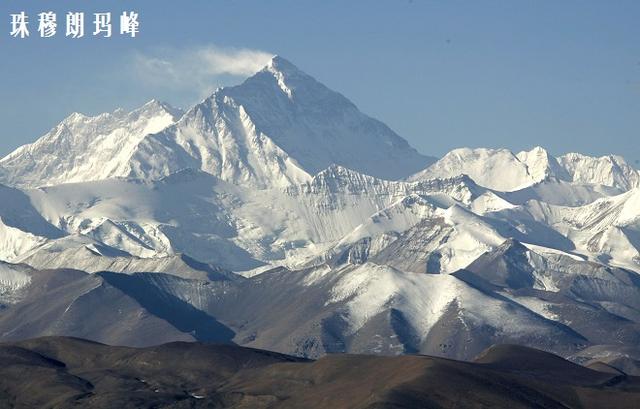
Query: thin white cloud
[
  {"x": 234, "y": 62},
  {"x": 197, "y": 68}
]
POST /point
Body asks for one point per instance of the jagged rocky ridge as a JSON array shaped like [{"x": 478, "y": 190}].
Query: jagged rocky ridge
[{"x": 274, "y": 214}]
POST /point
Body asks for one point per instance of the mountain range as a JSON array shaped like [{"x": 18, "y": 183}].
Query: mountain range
[{"x": 274, "y": 214}]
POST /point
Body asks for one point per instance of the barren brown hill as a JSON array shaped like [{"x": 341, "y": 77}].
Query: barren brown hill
[{"x": 67, "y": 372}]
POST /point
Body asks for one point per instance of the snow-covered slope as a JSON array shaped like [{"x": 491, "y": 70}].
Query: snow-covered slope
[
  {"x": 609, "y": 170},
  {"x": 497, "y": 169},
  {"x": 560, "y": 192},
  {"x": 13, "y": 279},
  {"x": 83, "y": 148},
  {"x": 337, "y": 212},
  {"x": 541, "y": 165},
  {"x": 277, "y": 128},
  {"x": 384, "y": 310},
  {"x": 94, "y": 257},
  {"x": 319, "y": 127},
  {"x": 441, "y": 244},
  {"x": 502, "y": 170},
  {"x": 22, "y": 227}
]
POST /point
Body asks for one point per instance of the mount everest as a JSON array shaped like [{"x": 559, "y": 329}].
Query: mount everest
[{"x": 275, "y": 214}]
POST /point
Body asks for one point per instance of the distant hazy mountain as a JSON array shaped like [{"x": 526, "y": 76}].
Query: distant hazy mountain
[{"x": 503, "y": 170}]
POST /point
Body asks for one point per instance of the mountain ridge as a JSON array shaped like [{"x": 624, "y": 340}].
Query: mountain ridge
[
  {"x": 277, "y": 128},
  {"x": 71, "y": 372}
]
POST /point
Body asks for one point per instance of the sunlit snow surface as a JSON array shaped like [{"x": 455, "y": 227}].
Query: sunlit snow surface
[{"x": 12, "y": 280}]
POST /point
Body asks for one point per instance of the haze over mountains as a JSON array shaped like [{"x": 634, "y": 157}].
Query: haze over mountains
[{"x": 275, "y": 214}]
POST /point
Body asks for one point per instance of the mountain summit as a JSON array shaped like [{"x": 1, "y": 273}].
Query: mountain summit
[
  {"x": 279, "y": 127},
  {"x": 503, "y": 170},
  {"x": 83, "y": 148}
]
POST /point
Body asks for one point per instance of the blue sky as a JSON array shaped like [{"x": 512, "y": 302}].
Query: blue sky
[{"x": 443, "y": 74}]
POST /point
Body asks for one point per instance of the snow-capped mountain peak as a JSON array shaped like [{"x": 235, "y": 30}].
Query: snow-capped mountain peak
[
  {"x": 610, "y": 170},
  {"x": 275, "y": 129},
  {"x": 502, "y": 170},
  {"x": 94, "y": 147},
  {"x": 286, "y": 74},
  {"x": 542, "y": 165},
  {"x": 497, "y": 169}
]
